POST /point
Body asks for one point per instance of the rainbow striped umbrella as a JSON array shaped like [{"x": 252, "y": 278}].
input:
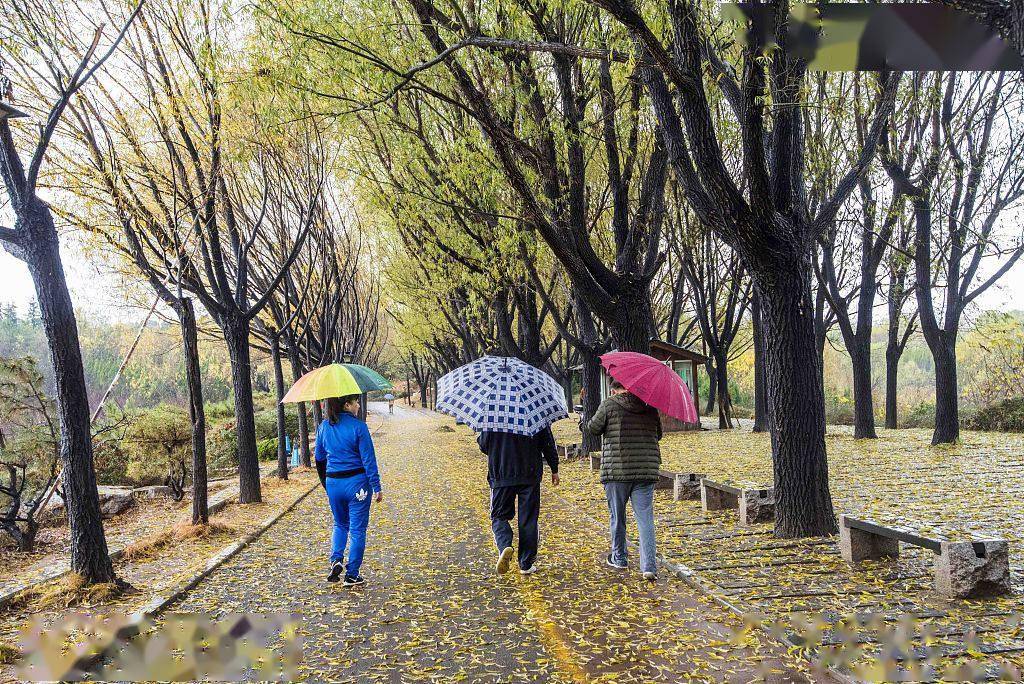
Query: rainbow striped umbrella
[{"x": 335, "y": 380}]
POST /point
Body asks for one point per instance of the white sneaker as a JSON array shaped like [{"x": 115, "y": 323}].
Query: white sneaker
[
  {"x": 650, "y": 576},
  {"x": 528, "y": 571},
  {"x": 504, "y": 561}
]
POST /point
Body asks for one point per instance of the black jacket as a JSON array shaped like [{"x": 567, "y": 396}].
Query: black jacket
[{"x": 517, "y": 459}]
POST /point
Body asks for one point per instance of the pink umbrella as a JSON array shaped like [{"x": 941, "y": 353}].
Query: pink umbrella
[{"x": 653, "y": 382}]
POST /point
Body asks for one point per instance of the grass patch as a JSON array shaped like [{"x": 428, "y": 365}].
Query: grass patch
[
  {"x": 71, "y": 590},
  {"x": 150, "y": 547},
  {"x": 8, "y": 653}
]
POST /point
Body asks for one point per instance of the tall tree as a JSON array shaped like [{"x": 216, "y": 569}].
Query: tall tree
[
  {"x": 771, "y": 228},
  {"x": 964, "y": 172},
  {"x": 59, "y": 70},
  {"x": 902, "y": 324}
]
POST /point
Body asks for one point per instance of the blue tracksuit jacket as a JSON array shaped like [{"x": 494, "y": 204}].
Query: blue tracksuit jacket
[{"x": 347, "y": 445}]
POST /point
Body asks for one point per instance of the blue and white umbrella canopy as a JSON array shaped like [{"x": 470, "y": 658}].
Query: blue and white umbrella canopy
[{"x": 503, "y": 394}]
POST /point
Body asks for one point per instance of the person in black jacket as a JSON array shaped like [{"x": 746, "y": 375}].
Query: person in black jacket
[{"x": 515, "y": 467}]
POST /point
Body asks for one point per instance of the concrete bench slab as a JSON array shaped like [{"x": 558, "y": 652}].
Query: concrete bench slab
[
  {"x": 963, "y": 569},
  {"x": 754, "y": 505},
  {"x": 666, "y": 480}
]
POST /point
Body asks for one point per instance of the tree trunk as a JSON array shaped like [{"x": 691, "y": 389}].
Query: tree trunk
[
  {"x": 634, "y": 327},
  {"x": 89, "y": 555},
  {"x": 318, "y": 414},
  {"x": 236, "y": 335},
  {"x": 591, "y": 362},
  {"x": 724, "y": 400},
  {"x": 760, "y": 399},
  {"x": 423, "y": 392},
  {"x": 282, "y": 453},
  {"x": 197, "y": 413},
  {"x": 712, "y": 386},
  {"x": 892, "y": 362},
  {"x": 293, "y": 361},
  {"x": 947, "y": 412},
  {"x": 796, "y": 400},
  {"x": 863, "y": 401},
  {"x": 591, "y": 378}
]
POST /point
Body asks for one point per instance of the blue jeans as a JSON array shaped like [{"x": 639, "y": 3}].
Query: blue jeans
[
  {"x": 350, "y": 499},
  {"x": 641, "y": 496}
]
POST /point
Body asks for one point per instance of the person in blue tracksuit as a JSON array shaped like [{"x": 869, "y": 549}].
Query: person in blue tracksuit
[{"x": 347, "y": 465}]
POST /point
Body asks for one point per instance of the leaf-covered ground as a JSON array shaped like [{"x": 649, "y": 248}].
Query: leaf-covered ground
[
  {"x": 433, "y": 609},
  {"x": 974, "y": 488},
  {"x": 152, "y": 576}
]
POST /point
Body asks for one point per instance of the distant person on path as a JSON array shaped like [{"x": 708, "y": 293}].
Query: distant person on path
[
  {"x": 347, "y": 465},
  {"x": 515, "y": 468},
  {"x": 391, "y": 403},
  {"x": 630, "y": 460}
]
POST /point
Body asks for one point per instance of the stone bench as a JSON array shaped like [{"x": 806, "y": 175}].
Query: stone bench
[
  {"x": 755, "y": 505},
  {"x": 686, "y": 486},
  {"x": 568, "y": 452},
  {"x": 963, "y": 569},
  {"x": 666, "y": 480}
]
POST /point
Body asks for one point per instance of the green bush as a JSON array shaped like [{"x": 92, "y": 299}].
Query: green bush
[
  {"x": 1004, "y": 416},
  {"x": 266, "y": 449},
  {"x": 110, "y": 460},
  {"x": 922, "y": 416},
  {"x": 219, "y": 410},
  {"x": 266, "y": 423},
  {"x": 222, "y": 445},
  {"x": 157, "y": 441}
]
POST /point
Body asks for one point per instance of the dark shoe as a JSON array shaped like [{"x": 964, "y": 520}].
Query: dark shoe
[
  {"x": 351, "y": 581},
  {"x": 612, "y": 564},
  {"x": 336, "y": 569}
]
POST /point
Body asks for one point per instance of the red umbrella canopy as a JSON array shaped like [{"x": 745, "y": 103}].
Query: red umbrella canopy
[{"x": 653, "y": 382}]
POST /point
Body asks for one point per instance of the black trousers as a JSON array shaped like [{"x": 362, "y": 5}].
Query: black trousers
[{"x": 503, "y": 508}]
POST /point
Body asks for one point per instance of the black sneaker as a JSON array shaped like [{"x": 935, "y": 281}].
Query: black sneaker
[
  {"x": 612, "y": 564},
  {"x": 336, "y": 569},
  {"x": 351, "y": 581}
]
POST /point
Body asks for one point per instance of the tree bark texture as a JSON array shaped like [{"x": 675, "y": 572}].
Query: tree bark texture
[
  {"x": 760, "y": 398},
  {"x": 236, "y": 335},
  {"x": 89, "y": 555},
  {"x": 796, "y": 401},
  {"x": 197, "y": 414},
  {"x": 282, "y": 452}
]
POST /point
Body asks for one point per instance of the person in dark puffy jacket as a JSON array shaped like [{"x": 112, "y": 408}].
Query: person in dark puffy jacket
[
  {"x": 515, "y": 467},
  {"x": 630, "y": 460}
]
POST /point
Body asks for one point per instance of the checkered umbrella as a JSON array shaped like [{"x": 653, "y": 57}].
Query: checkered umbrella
[{"x": 503, "y": 394}]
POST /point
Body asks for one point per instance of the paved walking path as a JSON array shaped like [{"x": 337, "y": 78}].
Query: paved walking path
[{"x": 433, "y": 609}]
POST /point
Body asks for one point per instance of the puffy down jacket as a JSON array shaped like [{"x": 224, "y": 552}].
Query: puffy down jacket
[{"x": 630, "y": 430}]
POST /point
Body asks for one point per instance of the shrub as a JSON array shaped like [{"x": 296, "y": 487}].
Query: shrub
[
  {"x": 222, "y": 445},
  {"x": 159, "y": 444},
  {"x": 1003, "y": 416},
  {"x": 922, "y": 416},
  {"x": 838, "y": 410},
  {"x": 219, "y": 410},
  {"x": 266, "y": 424},
  {"x": 266, "y": 449}
]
